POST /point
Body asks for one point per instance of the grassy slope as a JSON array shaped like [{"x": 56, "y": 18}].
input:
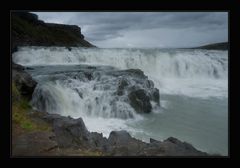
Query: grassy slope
[
  {"x": 20, "y": 113},
  {"x": 25, "y": 32}
]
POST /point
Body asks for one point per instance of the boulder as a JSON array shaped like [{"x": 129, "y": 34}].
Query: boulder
[
  {"x": 24, "y": 82},
  {"x": 98, "y": 141},
  {"x": 122, "y": 144},
  {"x": 140, "y": 101},
  {"x": 119, "y": 138},
  {"x": 71, "y": 132}
]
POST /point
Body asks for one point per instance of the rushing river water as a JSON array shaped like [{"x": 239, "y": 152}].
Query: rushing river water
[{"x": 193, "y": 87}]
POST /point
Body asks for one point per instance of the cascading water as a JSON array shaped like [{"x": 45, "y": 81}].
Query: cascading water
[
  {"x": 82, "y": 82},
  {"x": 199, "y": 73}
]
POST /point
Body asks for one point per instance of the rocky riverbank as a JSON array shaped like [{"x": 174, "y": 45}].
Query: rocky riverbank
[
  {"x": 69, "y": 137},
  {"x": 44, "y": 134}
]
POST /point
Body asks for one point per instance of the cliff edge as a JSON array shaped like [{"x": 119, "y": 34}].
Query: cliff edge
[{"x": 28, "y": 30}]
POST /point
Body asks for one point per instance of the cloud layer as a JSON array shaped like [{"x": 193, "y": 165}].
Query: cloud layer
[{"x": 146, "y": 29}]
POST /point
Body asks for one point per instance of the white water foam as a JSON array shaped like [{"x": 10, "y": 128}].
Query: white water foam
[{"x": 194, "y": 73}]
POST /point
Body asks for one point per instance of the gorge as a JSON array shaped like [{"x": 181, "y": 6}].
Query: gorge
[{"x": 87, "y": 101}]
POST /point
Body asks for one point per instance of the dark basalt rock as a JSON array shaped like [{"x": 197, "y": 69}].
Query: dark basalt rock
[
  {"x": 119, "y": 138},
  {"x": 121, "y": 86},
  {"x": 98, "y": 141},
  {"x": 140, "y": 101},
  {"x": 149, "y": 84},
  {"x": 135, "y": 72},
  {"x": 71, "y": 133},
  {"x": 174, "y": 147},
  {"x": 24, "y": 82},
  {"x": 155, "y": 96}
]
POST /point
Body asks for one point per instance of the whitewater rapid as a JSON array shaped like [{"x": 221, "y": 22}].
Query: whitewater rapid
[
  {"x": 193, "y": 86},
  {"x": 194, "y": 73}
]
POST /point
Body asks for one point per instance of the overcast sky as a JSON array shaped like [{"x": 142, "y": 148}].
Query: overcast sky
[{"x": 146, "y": 29}]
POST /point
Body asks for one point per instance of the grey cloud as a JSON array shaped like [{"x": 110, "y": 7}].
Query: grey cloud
[{"x": 101, "y": 26}]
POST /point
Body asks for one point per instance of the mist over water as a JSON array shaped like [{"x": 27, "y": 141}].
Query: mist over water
[{"x": 193, "y": 87}]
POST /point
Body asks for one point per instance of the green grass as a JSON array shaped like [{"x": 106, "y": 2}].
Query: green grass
[
  {"x": 91, "y": 153},
  {"x": 20, "y": 113},
  {"x": 15, "y": 93}
]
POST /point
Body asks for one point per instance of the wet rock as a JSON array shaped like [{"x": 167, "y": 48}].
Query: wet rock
[
  {"x": 149, "y": 84},
  {"x": 140, "y": 101},
  {"x": 122, "y": 84},
  {"x": 78, "y": 92},
  {"x": 88, "y": 75},
  {"x": 24, "y": 82},
  {"x": 155, "y": 96},
  {"x": 137, "y": 72}
]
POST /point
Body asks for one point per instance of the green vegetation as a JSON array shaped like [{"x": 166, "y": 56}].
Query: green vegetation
[
  {"x": 20, "y": 113},
  {"x": 91, "y": 153}
]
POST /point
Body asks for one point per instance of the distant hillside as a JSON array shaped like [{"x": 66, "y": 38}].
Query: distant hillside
[
  {"x": 215, "y": 46},
  {"x": 26, "y": 29}
]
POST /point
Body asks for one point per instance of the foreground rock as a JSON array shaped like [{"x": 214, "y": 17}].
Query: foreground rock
[{"x": 71, "y": 137}]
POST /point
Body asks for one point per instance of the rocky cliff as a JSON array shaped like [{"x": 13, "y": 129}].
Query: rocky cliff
[{"x": 28, "y": 30}]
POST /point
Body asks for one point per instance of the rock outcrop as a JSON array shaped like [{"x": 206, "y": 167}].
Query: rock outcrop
[
  {"x": 70, "y": 134},
  {"x": 23, "y": 81},
  {"x": 27, "y": 30},
  {"x": 118, "y": 93},
  {"x": 140, "y": 101}
]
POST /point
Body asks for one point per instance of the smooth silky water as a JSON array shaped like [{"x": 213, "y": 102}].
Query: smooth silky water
[{"x": 193, "y": 88}]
